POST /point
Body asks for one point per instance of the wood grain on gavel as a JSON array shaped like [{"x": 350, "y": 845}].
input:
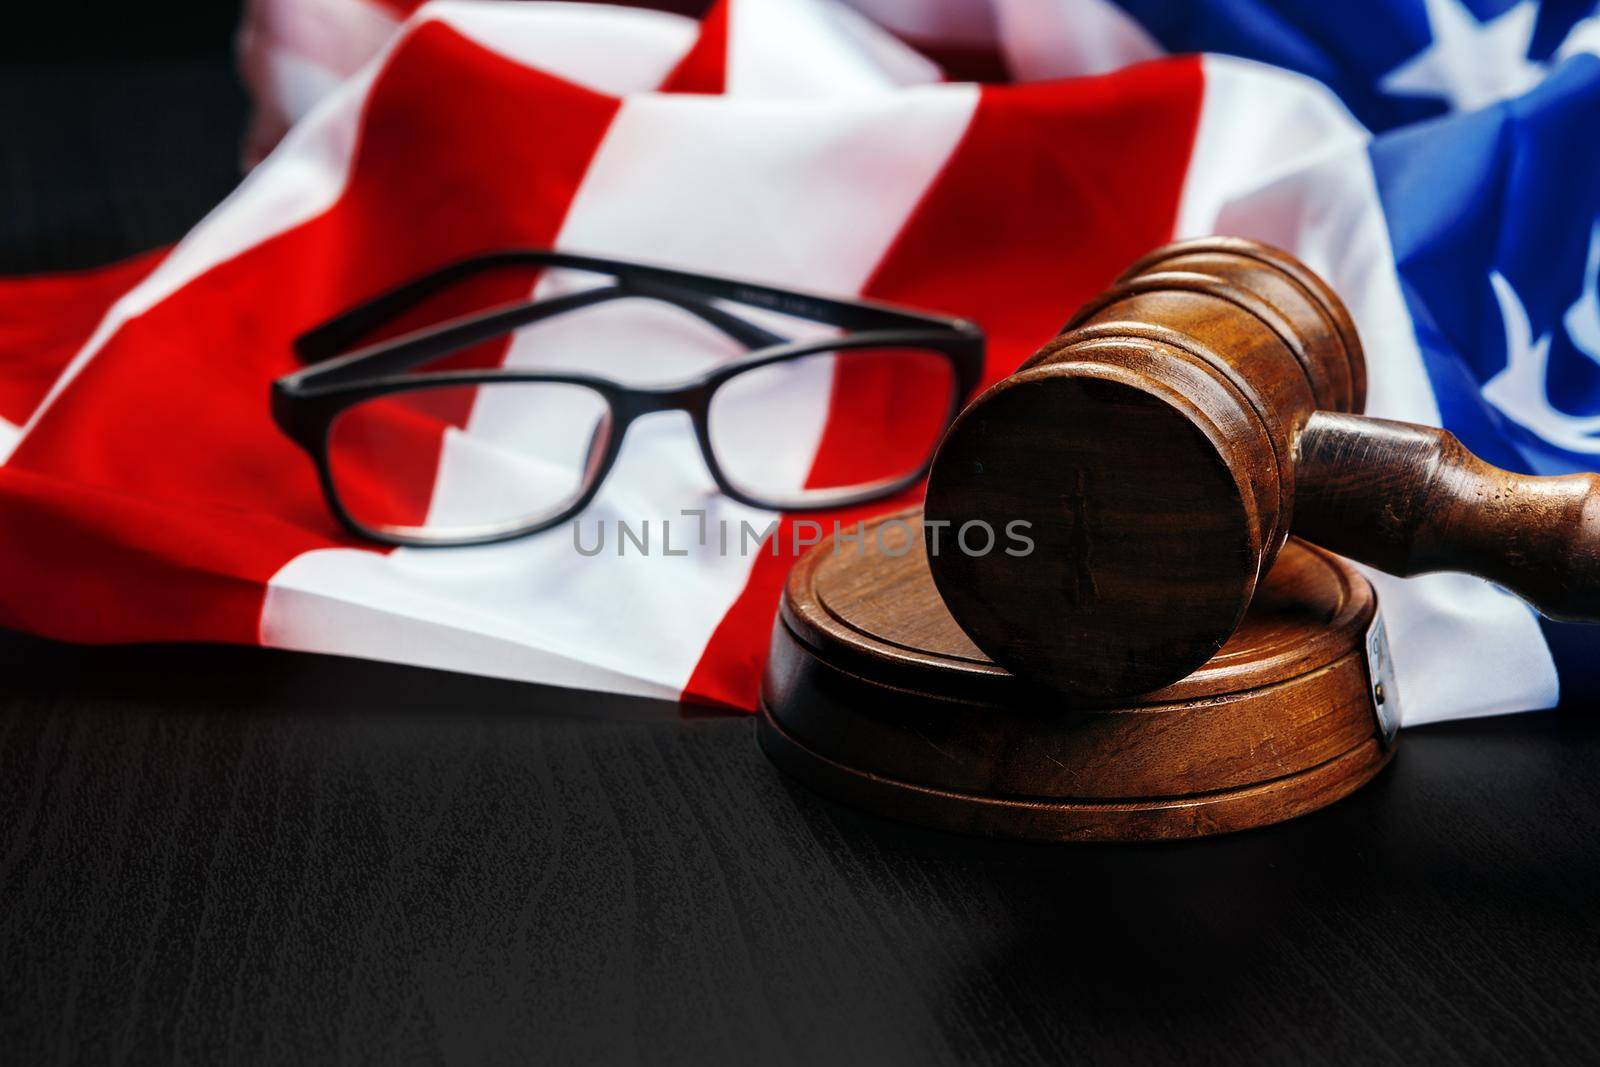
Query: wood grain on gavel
[{"x": 1163, "y": 447}]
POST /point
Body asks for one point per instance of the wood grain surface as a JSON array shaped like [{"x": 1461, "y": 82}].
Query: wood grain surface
[{"x": 223, "y": 855}]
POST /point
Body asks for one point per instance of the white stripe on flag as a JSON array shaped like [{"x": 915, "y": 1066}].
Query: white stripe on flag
[
  {"x": 961, "y": 22},
  {"x": 1069, "y": 38},
  {"x": 811, "y": 49},
  {"x": 337, "y": 36},
  {"x": 294, "y": 53},
  {"x": 609, "y": 49}
]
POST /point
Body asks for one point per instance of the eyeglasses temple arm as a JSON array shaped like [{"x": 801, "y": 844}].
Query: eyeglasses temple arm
[
  {"x": 400, "y": 354},
  {"x": 746, "y": 333},
  {"x": 342, "y": 332},
  {"x": 338, "y": 335}
]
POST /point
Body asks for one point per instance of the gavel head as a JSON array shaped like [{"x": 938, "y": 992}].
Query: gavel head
[{"x": 1149, "y": 449}]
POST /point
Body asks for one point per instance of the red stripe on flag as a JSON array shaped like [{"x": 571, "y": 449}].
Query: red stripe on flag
[
  {"x": 45, "y": 319},
  {"x": 1058, "y": 187},
  {"x": 156, "y": 498},
  {"x": 1054, "y": 189},
  {"x": 704, "y": 68}
]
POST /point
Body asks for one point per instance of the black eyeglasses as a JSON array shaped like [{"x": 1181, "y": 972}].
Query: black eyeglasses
[{"x": 474, "y": 456}]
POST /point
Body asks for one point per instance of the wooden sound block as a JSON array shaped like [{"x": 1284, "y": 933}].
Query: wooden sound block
[{"x": 875, "y": 697}]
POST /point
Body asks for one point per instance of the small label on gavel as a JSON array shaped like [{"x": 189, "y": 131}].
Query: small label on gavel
[{"x": 1380, "y": 677}]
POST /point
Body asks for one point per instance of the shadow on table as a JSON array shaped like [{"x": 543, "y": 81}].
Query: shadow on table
[
  {"x": 1460, "y": 871},
  {"x": 199, "y": 677}
]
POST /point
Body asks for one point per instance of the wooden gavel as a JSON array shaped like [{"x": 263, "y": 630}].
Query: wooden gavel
[{"x": 1163, "y": 447}]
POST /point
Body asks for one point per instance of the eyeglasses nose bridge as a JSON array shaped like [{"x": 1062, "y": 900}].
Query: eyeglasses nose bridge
[{"x": 690, "y": 399}]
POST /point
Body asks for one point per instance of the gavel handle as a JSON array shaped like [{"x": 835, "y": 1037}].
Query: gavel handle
[{"x": 1411, "y": 499}]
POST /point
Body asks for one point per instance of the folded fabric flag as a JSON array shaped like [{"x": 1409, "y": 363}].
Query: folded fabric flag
[
  {"x": 146, "y": 494},
  {"x": 1392, "y": 62}
]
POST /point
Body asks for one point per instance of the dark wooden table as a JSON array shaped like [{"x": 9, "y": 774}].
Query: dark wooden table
[{"x": 216, "y": 854}]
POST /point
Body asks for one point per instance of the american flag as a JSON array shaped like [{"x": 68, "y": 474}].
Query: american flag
[{"x": 1438, "y": 161}]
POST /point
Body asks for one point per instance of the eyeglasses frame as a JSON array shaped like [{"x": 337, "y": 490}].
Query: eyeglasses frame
[{"x": 306, "y": 403}]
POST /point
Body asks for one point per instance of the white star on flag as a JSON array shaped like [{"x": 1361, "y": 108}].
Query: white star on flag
[{"x": 1470, "y": 63}]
